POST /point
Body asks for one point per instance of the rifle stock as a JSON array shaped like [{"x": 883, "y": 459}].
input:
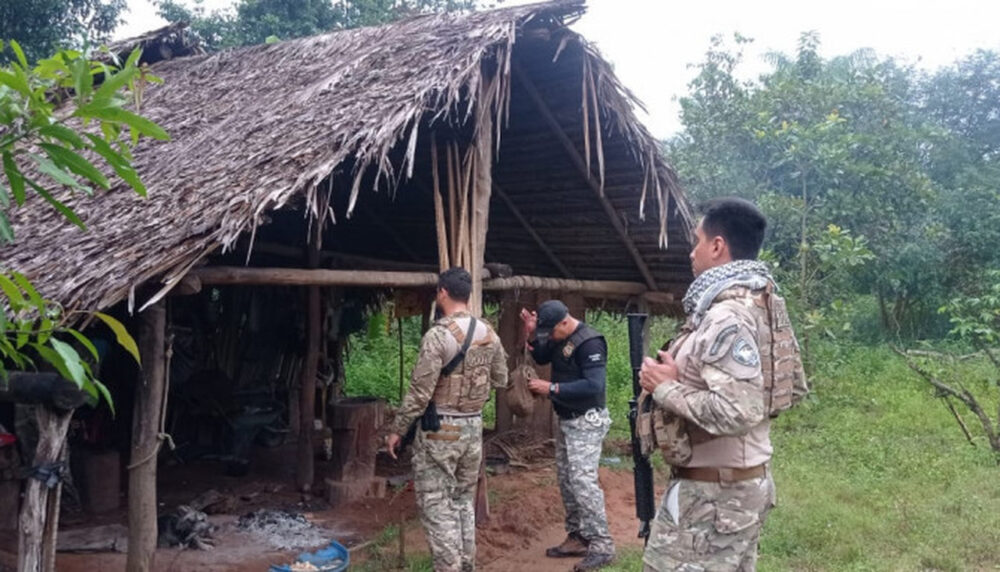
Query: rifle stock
[{"x": 645, "y": 509}]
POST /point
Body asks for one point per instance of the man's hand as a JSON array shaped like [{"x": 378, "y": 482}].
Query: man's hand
[
  {"x": 539, "y": 386},
  {"x": 391, "y": 442},
  {"x": 653, "y": 372},
  {"x": 530, "y": 320}
]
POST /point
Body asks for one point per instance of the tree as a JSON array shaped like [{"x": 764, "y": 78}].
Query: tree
[
  {"x": 965, "y": 99},
  {"x": 255, "y": 21},
  {"x": 43, "y": 26},
  {"x": 820, "y": 142}
]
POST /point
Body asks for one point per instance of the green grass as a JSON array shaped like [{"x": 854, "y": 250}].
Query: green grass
[
  {"x": 873, "y": 473},
  {"x": 383, "y": 554},
  {"x": 628, "y": 560}
]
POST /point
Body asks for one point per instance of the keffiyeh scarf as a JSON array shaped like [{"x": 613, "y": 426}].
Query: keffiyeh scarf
[{"x": 752, "y": 274}]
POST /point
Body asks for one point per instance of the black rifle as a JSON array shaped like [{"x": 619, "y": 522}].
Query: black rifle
[
  {"x": 430, "y": 421},
  {"x": 645, "y": 510}
]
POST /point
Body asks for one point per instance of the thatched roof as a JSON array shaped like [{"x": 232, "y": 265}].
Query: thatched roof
[{"x": 256, "y": 131}]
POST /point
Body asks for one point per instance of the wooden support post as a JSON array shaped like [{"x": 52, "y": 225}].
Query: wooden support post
[
  {"x": 305, "y": 469},
  {"x": 146, "y": 439},
  {"x": 582, "y": 167},
  {"x": 439, "y": 224},
  {"x": 543, "y": 418},
  {"x": 38, "y": 522},
  {"x": 481, "y": 189},
  {"x": 509, "y": 330},
  {"x": 55, "y": 499}
]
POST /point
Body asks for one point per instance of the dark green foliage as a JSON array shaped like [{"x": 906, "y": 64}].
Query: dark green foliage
[
  {"x": 259, "y": 21},
  {"x": 44, "y": 26},
  {"x": 903, "y": 163}
]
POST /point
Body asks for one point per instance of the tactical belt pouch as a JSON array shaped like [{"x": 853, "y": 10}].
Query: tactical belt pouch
[
  {"x": 644, "y": 425},
  {"x": 672, "y": 436},
  {"x": 430, "y": 421}
]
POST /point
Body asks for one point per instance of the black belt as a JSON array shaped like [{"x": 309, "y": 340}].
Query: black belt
[{"x": 574, "y": 414}]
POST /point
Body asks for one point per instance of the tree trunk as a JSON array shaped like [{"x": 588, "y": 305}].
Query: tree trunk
[
  {"x": 33, "y": 542},
  {"x": 804, "y": 262},
  {"x": 149, "y": 397}
]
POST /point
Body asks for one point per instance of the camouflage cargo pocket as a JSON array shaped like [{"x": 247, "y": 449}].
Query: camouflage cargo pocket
[
  {"x": 734, "y": 529},
  {"x": 673, "y": 439}
]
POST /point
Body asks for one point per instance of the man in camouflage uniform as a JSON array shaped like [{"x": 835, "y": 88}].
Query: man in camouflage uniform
[
  {"x": 710, "y": 410},
  {"x": 578, "y": 355},
  {"x": 446, "y": 462}
]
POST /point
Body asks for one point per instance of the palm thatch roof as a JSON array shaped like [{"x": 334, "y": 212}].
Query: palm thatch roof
[{"x": 259, "y": 133}]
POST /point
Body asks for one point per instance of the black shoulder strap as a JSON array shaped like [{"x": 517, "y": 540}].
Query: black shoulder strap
[
  {"x": 583, "y": 334},
  {"x": 457, "y": 360}
]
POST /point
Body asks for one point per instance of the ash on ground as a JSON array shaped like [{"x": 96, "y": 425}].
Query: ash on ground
[{"x": 283, "y": 530}]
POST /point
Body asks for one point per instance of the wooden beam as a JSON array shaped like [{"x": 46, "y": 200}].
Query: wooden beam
[
  {"x": 149, "y": 396},
  {"x": 581, "y": 166},
  {"x": 531, "y": 231},
  {"x": 591, "y": 287},
  {"x": 228, "y": 275},
  {"x": 188, "y": 285},
  {"x": 48, "y": 389}
]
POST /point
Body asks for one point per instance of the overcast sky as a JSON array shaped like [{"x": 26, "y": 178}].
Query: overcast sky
[{"x": 652, "y": 43}]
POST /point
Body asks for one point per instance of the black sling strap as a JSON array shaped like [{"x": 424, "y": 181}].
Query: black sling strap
[{"x": 457, "y": 360}]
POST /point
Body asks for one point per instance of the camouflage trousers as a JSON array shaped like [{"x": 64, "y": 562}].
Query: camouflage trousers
[
  {"x": 709, "y": 527},
  {"x": 445, "y": 470},
  {"x": 578, "y": 451}
]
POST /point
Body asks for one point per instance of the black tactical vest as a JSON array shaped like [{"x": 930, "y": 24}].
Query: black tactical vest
[{"x": 565, "y": 368}]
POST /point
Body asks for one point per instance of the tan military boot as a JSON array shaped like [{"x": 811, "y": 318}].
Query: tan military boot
[{"x": 574, "y": 545}]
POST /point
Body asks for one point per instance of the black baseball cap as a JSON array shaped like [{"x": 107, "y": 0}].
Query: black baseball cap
[{"x": 550, "y": 313}]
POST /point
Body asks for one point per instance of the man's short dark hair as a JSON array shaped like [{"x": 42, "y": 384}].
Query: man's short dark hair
[
  {"x": 457, "y": 282},
  {"x": 738, "y": 221}
]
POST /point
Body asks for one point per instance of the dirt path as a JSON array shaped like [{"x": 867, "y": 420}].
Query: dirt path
[{"x": 527, "y": 518}]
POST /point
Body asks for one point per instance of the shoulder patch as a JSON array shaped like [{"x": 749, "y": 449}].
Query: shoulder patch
[
  {"x": 745, "y": 353},
  {"x": 595, "y": 358},
  {"x": 721, "y": 338}
]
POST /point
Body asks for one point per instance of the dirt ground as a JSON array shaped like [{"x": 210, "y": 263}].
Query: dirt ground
[{"x": 525, "y": 518}]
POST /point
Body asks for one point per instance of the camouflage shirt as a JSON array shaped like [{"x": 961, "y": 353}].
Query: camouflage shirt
[
  {"x": 437, "y": 348},
  {"x": 720, "y": 385}
]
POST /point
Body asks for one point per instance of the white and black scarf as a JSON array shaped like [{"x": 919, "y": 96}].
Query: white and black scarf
[{"x": 752, "y": 274}]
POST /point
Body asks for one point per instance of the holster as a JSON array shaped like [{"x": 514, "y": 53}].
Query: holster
[{"x": 430, "y": 421}]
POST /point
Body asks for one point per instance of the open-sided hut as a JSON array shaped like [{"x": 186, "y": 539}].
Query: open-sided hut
[{"x": 372, "y": 158}]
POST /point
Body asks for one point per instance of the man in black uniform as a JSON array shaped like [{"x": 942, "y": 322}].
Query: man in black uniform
[{"x": 579, "y": 356}]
